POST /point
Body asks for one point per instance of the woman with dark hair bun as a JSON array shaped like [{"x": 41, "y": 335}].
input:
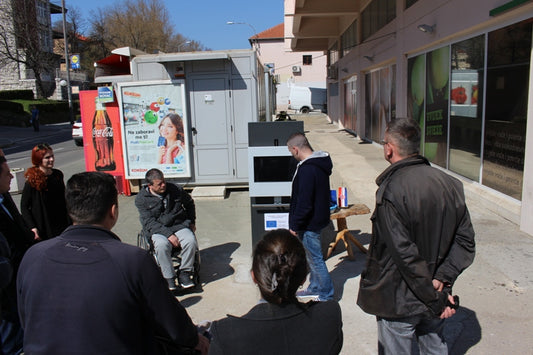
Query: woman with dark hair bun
[
  {"x": 43, "y": 203},
  {"x": 279, "y": 323}
]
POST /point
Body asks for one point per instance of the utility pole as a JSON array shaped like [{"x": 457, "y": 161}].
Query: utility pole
[{"x": 67, "y": 64}]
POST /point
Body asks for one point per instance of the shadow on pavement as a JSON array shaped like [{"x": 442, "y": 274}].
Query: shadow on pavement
[
  {"x": 216, "y": 262},
  {"x": 348, "y": 269},
  {"x": 189, "y": 301},
  {"x": 462, "y": 331}
]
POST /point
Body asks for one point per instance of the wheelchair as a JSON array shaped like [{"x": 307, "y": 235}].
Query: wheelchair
[{"x": 144, "y": 241}]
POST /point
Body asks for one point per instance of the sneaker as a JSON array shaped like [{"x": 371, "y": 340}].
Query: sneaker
[
  {"x": 171, "y": 284},
  {"x": 306, "y": 295},
  {"x": 185, "y": 279}
]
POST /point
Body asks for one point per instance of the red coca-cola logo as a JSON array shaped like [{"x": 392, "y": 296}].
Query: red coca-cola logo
[{"x": 104, "y": 133}]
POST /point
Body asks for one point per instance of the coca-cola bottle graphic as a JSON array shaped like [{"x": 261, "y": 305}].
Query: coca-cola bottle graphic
[{"x": 103, "y": 139}]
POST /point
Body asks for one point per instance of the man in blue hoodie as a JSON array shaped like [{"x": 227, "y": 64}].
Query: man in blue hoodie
[{"x": 309, "y": 211}]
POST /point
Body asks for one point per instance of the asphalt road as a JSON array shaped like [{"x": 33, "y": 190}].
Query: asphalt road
[{"x": 69, "y": 158}]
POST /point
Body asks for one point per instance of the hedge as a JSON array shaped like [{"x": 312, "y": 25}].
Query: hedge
[
  {"x": 14, "y": 114},
  {"x": 16, "y": 95},
  {"x": 11, "y": 106}
]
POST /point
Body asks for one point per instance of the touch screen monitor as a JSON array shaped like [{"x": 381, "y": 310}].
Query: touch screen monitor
[{"x": 271, "y": 171}]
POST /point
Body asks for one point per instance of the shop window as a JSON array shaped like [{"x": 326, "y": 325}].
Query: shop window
[
  {"x": 508, "y": 67},
  {"x": 427, "y": 101},
  {"x": 437, "y": 101},
  {"x": 350, "y": 103},
  {"x": 416, "y": 92},
  {"x": 487, "y": 106},
  {"x": 379, "y": 104},
  {"x": 466, "y": 106}
]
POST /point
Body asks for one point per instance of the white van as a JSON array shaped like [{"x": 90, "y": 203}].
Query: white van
[{"x": 305, "y": 99}]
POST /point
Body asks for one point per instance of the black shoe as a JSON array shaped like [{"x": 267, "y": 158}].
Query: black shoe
[
  {"x": 171, "y": 284},
  {"x": 185, "y": 279}
]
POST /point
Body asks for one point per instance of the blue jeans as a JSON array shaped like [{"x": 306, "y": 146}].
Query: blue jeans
[
  {"x": 396, "y": 336},
  {"x": 319, "y": 280}
]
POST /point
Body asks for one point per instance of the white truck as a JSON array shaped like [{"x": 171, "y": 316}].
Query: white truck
[{"x": 306, "y": 99}]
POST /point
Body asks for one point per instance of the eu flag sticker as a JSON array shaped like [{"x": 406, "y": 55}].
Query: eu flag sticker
[{"x": 271, "y": 224}]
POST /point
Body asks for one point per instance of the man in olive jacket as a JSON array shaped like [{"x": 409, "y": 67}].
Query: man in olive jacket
[{"x": 422, "y": 239}]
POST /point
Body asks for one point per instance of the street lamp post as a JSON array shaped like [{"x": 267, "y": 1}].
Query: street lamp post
[
  {"x": 245, "y": 23},
  {"x": 183, "y": 44},
  {"x": 69, "y": 88}
]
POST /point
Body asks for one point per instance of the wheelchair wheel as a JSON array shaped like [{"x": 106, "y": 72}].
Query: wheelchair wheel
[
  {"x": 197, "y": 264},
  {"x": 143, "y": 243}
]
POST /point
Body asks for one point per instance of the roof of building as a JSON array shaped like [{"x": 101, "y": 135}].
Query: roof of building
[{"x": 275, "y": 32}]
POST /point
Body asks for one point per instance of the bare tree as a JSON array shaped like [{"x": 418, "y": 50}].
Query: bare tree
[
  {"x": 75, "y": 26},
  {"x": 26, "y": 44},
  {"x": 141, "y": 24}
]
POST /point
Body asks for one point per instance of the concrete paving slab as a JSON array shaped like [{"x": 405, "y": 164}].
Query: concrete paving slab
[{"x": 209, "y": 192}]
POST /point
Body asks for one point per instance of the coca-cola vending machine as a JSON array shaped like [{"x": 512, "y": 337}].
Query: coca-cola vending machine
[{"x": 101, "y": 138}]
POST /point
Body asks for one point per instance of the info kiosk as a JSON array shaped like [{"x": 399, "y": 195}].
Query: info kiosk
[{"x": 270, "y": 171}]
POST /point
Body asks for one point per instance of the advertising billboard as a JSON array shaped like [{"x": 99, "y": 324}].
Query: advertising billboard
[
  {"x": 101, "y": 136},
  {"x": 154, "y": 128}
]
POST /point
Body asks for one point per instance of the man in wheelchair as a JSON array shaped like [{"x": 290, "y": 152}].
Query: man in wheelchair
[{"x": 168, "y": 215}]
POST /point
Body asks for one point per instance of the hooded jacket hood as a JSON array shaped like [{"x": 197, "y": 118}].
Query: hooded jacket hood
[{"x": 319, "y": 159}]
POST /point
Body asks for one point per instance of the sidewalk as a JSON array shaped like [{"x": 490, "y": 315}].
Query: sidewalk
[{"x": 496, "y": 291}]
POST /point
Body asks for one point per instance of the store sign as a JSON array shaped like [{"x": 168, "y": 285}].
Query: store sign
[{"x": 105, "y": 94}]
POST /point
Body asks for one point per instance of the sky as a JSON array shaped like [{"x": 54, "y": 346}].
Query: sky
[{"x": 204, "y": 21}]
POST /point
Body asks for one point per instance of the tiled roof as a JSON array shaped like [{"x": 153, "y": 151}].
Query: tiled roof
[{"x": 277, "y": 31}]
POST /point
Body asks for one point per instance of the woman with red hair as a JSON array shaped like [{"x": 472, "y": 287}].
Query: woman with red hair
[{"x": 43, "y": 203}]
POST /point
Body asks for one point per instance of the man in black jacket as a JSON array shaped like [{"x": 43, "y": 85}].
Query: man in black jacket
[
  {"x": 86, "y": 292},
  {"x": 422, "y": 239},
  {"x": 19, "y": 238},
  {"x": 168, "y": 215}
]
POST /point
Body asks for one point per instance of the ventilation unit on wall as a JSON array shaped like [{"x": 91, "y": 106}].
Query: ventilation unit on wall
[{"x": 296, "y": 69}]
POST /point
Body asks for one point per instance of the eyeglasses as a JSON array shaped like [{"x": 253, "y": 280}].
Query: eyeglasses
[
  {"x": 44, "y": 146},
  {"x": 384, "y": 142}
]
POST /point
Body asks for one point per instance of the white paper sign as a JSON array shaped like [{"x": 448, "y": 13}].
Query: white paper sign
[{"x": 276, "y": 221}]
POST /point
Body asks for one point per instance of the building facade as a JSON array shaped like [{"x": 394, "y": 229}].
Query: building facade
[
  {"x": 304, "y": 69},
  {"x": 36, "y": 17},
  {"x": 462, "y": 69}
]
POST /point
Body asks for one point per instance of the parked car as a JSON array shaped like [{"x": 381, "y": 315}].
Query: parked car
[{"x": 77, "y": 133}]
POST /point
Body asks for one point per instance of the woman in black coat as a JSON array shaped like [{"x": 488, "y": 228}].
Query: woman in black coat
[
  {"x": 43, "y": 203},
  {"x": 280, "y": 324}
]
